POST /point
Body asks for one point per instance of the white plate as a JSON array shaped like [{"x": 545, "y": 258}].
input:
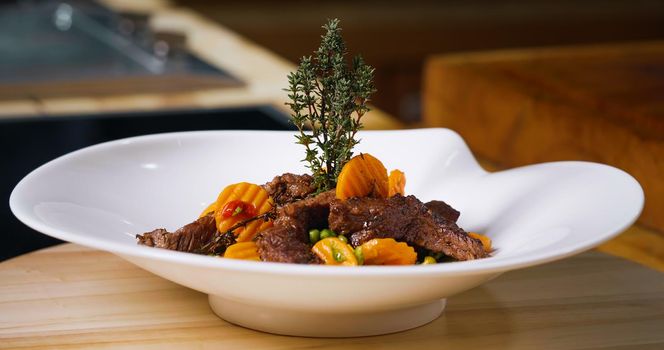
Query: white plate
[{"x": 102, "y": 196}]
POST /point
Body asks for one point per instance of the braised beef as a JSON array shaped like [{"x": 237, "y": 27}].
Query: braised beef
[
  {"x": 197, "y": 237},
  {"x": 189, "y": 238},
  {"x": 427, "y": 227},
  {"x": 305, "y": 214},
  {"x": 288, "y": 239},
  {"x": 402, "y": 218},
  {"x": 218, "y": 244},
  {"x": 285, "y": 245},
  {"x": 289, "y": 187},
  {"x": 450, "y": 239},
  {"x": 379, "y": 214},
  {"x": 443, "y": 210}
]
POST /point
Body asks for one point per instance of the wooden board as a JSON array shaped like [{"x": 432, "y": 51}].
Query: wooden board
[
  {"x": 639, "y": 244},
  {"x": 598, "y": 103},
  {"x": 70, "y": 297}
]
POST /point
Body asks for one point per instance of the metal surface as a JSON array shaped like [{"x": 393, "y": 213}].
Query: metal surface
[{"x": 56, "y": 43}]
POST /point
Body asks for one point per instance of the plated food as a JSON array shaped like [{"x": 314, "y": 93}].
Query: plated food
[
  {"x": 348, "y": 211},
  {"x": 365, "y": 219},
  {"x": 103, "y": 195}
]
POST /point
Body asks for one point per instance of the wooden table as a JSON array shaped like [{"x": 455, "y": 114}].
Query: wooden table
[{"x": 71, "y": 297}]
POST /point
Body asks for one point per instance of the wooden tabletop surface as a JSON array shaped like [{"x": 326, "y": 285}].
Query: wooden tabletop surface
[{"x": 71, "y": 297}]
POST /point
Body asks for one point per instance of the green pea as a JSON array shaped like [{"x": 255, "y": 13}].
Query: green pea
[
  {"x": 338, "y": 256},
  {"x": 343, "y": 238},
  {"x": 428, "y": 260},
  {"x": 314, "y": 236},
  {"x": 359, "y": 255},
  {"x": 326, "y": 233}
]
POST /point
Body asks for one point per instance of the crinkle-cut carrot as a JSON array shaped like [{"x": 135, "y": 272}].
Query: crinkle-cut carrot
[
  {"x": 252, "y": 200},
  {"x": 387, "y": 251},
  {"x": 210, "y": 209},
  {"x": 334, "y": 251},
  {"x": 361, "y": 176},
  {"x": 243, "y": 251},
  {"x": 486, "y": 241},
  {"x": 396, "y": 183}
]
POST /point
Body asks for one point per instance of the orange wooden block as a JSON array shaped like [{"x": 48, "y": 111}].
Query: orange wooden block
[{"x": 600, "y": 103}]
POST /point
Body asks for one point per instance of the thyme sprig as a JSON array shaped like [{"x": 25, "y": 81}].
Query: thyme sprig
[
  {"x": 221, "y": 240},
  {"x": 328, "y": 99}
]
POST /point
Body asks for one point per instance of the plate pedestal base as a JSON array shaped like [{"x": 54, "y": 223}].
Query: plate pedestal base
[{"x": 312, "y": 324}]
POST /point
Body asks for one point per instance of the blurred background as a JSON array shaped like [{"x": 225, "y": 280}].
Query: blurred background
[
  {"x": 522, "y": 81},
  {"x": 397, "y": 36}
]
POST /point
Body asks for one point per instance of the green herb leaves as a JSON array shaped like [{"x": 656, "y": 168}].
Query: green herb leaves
[{"x": 328, "y": 98}]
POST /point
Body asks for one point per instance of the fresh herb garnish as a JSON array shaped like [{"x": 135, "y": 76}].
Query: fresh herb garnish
[
  {"x": 329, "y": 98},
  {"x": 221, "y": 240}
]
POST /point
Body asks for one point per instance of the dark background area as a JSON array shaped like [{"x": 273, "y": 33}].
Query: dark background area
[
  {"x": 28, "y": 143},
  {"x": 397, "y": 36}
]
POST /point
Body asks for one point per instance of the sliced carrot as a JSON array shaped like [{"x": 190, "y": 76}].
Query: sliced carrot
[
  {"x": 387, "y": 251},
  {"x": 243, "y": 251},
  {"x": 243, "y": 195},
  {"x": 396, "y": 183},
  {"x": 209, "y": 210},
  {"x": 334, "y": 251},
  {"x": 486, "y": 241},
  {"x": 361, "y": 176}
]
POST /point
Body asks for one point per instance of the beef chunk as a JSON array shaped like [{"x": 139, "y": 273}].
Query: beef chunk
[
  {"x": 286, "y": 245},
  {"x": 450, "y": 239},
  {"x": 305, "y": 214},
  {"x": 189, "y": 238},
  {"x": 443, "y": 210},
  {"x": 218, "y": 244},
  {"x": 402, "y": 218},
  {"x": 378, "y": 214},
  {"x": 288, "y": 239},
  {"x": 289, "y": 187}
]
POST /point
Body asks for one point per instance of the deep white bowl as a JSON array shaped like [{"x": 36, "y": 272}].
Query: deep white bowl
[{"x": 103, "y": 195}]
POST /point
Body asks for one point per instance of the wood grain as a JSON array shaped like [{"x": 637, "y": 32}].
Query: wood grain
[
  {"x": 70, "y": 297},
  {"x": 639, "y": 244},
  {"x": 111, "y": 86},
  {"x": 598, "y": 103}
]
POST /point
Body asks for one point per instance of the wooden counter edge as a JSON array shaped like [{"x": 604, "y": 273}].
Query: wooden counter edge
[
  {"x": 264, "y": 73},
  {"x": 510, "y": 54}
]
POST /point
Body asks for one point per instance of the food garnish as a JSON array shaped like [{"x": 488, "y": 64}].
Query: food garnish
[
  {"x": 210, "y": 209},
  {"x": 333, "y": 251},
  {"x": 239, "y": 202},
  {"x": 396, "y": 183},
  {"x": 243, "y": 251},
  {"x": 486, "y": 241},
  {"x": 387, "y": 251},
  {"x": 361, "y": 176},
  {"x": 329, "y": 97}
]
